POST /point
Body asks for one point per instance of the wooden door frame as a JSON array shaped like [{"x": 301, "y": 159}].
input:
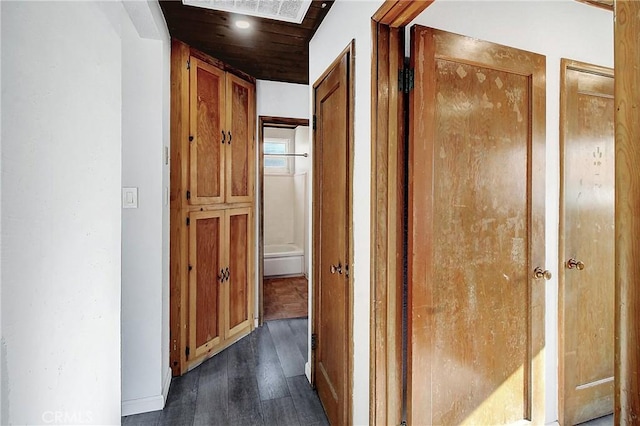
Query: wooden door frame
[
  {"x": 566, "y": 65},
  {"x": 267, "y": 121},
  {"x": 317, "y": 185},
  {"x": 386, "y": 293}
]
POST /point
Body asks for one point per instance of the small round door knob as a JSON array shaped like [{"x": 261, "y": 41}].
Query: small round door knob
[
  {"x": 575, "y": 264},
  {"x": 539, "y": 273}
]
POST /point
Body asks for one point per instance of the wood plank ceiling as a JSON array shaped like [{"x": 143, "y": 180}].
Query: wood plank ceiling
[{"x": 268, "y": 50}]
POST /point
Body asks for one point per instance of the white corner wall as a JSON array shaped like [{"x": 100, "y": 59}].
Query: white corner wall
[
  {"x": 61, "y": 219},
  {"x": 556, "y": 29},
  {"x": 145, "y": 133},
  {"x": 345, "y": 21}
]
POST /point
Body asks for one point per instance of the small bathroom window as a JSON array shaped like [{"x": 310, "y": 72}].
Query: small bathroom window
[{"x": 275, "y": 160}]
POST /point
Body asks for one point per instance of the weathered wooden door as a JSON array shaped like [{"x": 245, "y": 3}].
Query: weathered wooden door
[
  {"x": 332, "y": 323},
  {"x": 476, "y": 232},
  {"x": 240, "y": 140},
  {"x": 587, "y": 238},
  {"x": 207, "y": 131},
  {"x": 206, "y": 277},
  {"x": 238, "y": 293}
]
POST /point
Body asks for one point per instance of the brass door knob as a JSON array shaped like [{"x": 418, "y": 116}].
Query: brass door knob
[
  {"x": 336, "y": 268},
  {"x": 539, "y": 273},
  {"x": 575, "y": 264}
]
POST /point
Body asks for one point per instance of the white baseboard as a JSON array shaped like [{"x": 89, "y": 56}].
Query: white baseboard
[
  {"x": 307, "y": 371},
  {"x": 150, "y": 403},
  {"x": 165, "y": 386}
]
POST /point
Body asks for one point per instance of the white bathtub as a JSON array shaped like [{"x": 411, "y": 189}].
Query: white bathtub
[{"x": 283, "y": 259}]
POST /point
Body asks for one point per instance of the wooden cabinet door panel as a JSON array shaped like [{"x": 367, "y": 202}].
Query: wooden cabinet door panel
[
  {"x": 240, "y": 140},
  {"x": 476, "y": 191},
  {"x": 587, "y": 220},
  {"x": 206, "y": 120},
  {"x": 206, "y": 237},
  {"x": 238, "y": 298}
]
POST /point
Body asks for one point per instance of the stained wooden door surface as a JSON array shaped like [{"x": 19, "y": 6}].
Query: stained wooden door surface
[
  {"x": 238, "y": 286},
  {"x": 240, "y": 140},
  {"x": 332, "y": 284},
  {"x": 588, "y": 282},
  {"x": 207, "y": 260},
  {"x": 476, "y": 191},
  {"x": 207, "y": 130}
]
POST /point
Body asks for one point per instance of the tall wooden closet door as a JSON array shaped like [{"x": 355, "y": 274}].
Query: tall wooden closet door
[
  {"x": 207, "y": 133},
  {"x": 240, "y": 260},
  {"x": 587, "y": 277},
  {"x": 476, "y": 233},
  {"x": 240, "y": 140},
  {"x": 206, "y": 236}
]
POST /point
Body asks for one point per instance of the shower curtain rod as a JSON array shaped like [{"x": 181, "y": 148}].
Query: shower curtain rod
[{"x": 286, "y": 155}]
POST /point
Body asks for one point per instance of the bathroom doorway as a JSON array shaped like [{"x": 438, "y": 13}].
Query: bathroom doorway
[{"x": 284, "y": 167}]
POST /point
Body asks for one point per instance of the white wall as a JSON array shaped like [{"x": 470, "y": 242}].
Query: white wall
[
  {"x": 61, "y": 219},
  {"x": 279, "y": 202},
  {"x": 555, "y": 29},
  {"x": 345, "y": 21},
  {"x": 277, "y": 99},
  {"x": 302, "y": 185},
  {"x": 145, "y": 132}
]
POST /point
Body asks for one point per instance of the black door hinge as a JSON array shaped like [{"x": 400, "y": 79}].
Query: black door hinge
[
  {"x": 188, "y": 64},
  {"x": 314, "y": 341},
  {"x": 186, "y": 351},
  {"x": 188, "y": 221},
  {"x": 188, "y": 195},
  {"x": 314, "y": 122},
  {"x": 405, "y": 80}
]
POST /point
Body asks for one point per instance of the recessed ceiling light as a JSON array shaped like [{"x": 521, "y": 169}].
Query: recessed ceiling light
[
  {"x": 324, "y": 5},
  {"x": 243, "y": 24}
]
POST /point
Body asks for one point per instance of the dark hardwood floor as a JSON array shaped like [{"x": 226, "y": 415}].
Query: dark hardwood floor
[{"x": 258, "y": 381}]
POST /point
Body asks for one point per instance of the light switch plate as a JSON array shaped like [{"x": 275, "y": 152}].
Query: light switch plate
[{"x": 130, "y": 198}]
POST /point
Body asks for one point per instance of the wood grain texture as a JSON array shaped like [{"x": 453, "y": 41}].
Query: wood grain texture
[
  {"x": 333, "y": 236},
  {"x": 178, "y": 234},
  {"x": 273, "y": 50},
  {"x": 398, "y": 13},
  {"x": 221, "y": 390},
  {"x": 604, "y": 4},
  {"x": 240, "y": 148},
  {"x": 586, "y": 297},
  {"x": 208, "y": 130},
  {"x": 238, "y": 287},
  {"x": 476, "y": 231},
  {"x": 286, "y": 297},
  {"x": 386, "y": 209},
  {"x": 206, "y": 239},
  {"x": 387, "y": 227},
  {"x": 627, "y": 133}
]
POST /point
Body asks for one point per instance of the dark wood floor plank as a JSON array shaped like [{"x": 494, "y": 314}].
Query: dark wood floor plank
[
  {"x": 291, "y": 359},
  {"x": 212, "y": 402},
  {"x": 300, "y": 334},
  {"x": 241, "y": 359},
  {"x": 246, "y": 384},
  {"x": 181, "y": 401},
  {"x": 244, "y": 400},
  {"x": 144, "y": 419},
  {"x": 271, "y": 380},
  {"x": 281, "y": 412},
  {"x": 306, "y": 401}
]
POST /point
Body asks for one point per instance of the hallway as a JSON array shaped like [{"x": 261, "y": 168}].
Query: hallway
[{"x": 258, "y": 381}]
